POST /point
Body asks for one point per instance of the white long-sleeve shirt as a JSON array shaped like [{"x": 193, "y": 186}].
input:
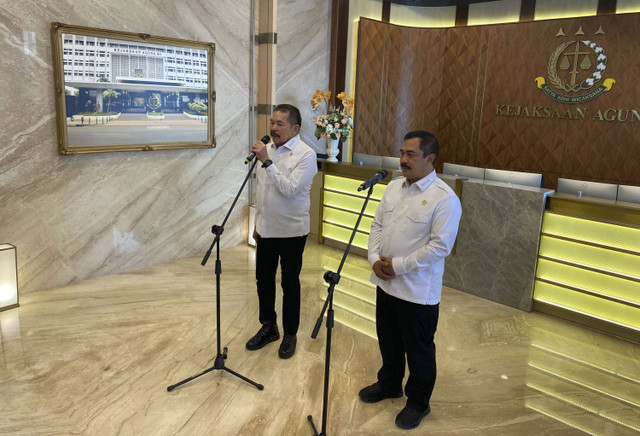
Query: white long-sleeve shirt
[
  {"x": 282, "y": 195},
  {"x": 415, "y": 225}
]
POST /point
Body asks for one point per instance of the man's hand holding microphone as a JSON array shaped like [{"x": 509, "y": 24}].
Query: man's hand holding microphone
[{"x": 259, "y": 149}]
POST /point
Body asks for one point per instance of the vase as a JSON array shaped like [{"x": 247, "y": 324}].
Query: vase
[{"x": 332, "y": 149}]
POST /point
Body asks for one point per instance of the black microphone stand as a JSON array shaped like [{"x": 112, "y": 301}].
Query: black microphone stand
[
  {"x": 222, "y": 355},
  {"x": 332, "y": 278}
]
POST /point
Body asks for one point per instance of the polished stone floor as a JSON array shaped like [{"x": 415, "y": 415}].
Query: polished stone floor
[{"x": 95, "y": 358}]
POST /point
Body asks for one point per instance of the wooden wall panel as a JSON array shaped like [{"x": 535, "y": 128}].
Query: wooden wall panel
[
  {"x": 427, "y": 101},
  {"x": 479, "y": 71},
  {"x": 610, "y": 150},
  {"x": 518, "y": 53},
  {"x": 398, "y": 86},
  {"x": 461, "y": 103},
  {"x": 371, "y": 83},
  {"x": 414, "y": 84}
]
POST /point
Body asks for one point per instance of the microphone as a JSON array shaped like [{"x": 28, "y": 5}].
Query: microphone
[
  {"x": 265, "y": 140},
  {"x": 373, "y": 180}
]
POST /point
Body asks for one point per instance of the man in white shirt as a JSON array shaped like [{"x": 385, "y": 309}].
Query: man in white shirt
[
  {"x": 414, "y": 229},
  {"x": 281, "y": 225}
]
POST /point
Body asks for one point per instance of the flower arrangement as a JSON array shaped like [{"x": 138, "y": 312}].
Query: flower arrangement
[{"x": 337, "y": 123}]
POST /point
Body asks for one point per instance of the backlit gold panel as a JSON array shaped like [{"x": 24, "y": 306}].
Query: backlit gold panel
[
  {"x": 589, "y": 270},
  {"x": 589, "y": 305},
  {"x": 350, "y": 186},
  {"x": 594, "y": 232},
  {"x": 342, "y": 234},
  {"x": 341, "y": 205},
  {"x": 603, "y": 259},
  {"x": 339, "y": 217},
  {"x": 349, "y": 203},
  {"x": 589, "y": 281}
]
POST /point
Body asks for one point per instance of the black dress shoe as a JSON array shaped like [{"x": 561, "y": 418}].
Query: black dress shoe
[
  {"x": 287, "y": 347},
  {"x": 375, "y": 393},
  {"x": 267, "y": 334},
  {"x": 409, "y": 418}
]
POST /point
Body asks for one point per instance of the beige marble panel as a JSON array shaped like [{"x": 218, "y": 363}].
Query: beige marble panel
[
  {"x": 78, "y": 217},
  {"x": 302, "y": 60},
  {"x": 96, "y": 357}
]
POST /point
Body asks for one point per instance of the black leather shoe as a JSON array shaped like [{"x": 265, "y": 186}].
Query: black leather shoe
[
  {"x": 375, "y": 393},
  {"x": 267, "y": 334},
  {"x": 287, "y": 347},
  {"x": 409, "y": 418}
]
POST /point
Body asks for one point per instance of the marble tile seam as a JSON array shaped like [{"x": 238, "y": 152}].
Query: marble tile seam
[{"x": 301, "y": 72}]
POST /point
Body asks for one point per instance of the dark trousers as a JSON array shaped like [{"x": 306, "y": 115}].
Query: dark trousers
[
  {"x": 407, "y": 328},
  {"x": 289, "y": 252}
]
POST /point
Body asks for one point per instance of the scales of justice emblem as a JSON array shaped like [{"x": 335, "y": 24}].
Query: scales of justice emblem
[
  {"x": 573, "y": 70},
  {"x": 153, "y": 102}
]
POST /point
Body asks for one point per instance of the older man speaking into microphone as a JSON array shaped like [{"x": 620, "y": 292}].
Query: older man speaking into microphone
[{"x": 281, "y": 225}]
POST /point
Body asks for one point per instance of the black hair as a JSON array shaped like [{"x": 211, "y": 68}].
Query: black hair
[
  {"x": 428, "y": 143},
  {"x": 294, "y": 114}
]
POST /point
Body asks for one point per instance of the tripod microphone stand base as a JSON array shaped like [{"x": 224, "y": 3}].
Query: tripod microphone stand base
[
  {"x": 332, "y": 278},
  {"x": 222, "y": 355},
  {"x": 313, "y": 427},
  {"x": 218, "y": 364}
]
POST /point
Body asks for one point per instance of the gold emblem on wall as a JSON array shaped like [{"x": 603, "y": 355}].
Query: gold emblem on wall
[
  {"x": 574, "y": 68},
  {"x": 153, "y": 102}
]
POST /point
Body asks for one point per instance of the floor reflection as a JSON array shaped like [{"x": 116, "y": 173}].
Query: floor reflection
[
  {"x": 96, "y": 357},
  {"x": 9, "y": 325},
  {"x": 588, "y": 381},
  {"x": 11, "y": 353}
]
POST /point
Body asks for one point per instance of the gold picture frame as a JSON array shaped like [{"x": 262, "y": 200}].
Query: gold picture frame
[{"x": 123, "y": 91}]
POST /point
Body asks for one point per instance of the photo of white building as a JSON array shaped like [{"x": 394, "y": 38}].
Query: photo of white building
[{"x": 146, "y": 77}]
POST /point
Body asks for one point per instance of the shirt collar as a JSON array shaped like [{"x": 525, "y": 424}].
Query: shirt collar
[
  {"x": 290, "y": 144},
  {"x": 423, "y": 183}
]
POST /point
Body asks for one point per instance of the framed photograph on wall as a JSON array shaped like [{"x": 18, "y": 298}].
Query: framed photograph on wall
[{"x": 122, "y": 91}]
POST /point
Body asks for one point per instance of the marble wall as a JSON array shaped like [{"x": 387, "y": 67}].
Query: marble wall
[
  {"x": 497, "y": 246},
  {"x": 302, "y": 60},
  {"x": 83, "y": 216}
]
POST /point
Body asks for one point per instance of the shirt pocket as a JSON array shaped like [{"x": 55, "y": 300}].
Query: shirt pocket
[
  {"x": 419, "y": 221},
  {"x": 287, "y": 163},
  {"x": 285, "y": 166},
  {"x": 387, "y": 213}
]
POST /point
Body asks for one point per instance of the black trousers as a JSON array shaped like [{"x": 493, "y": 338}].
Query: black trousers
[
  {"x": 289, "y": 252},
  {"x": 406, "y": 328}
]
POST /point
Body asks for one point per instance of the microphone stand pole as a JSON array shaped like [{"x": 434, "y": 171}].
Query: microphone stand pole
[
  {"x": 222, "y": 355},
  {"x": 332, "y": 278}
]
